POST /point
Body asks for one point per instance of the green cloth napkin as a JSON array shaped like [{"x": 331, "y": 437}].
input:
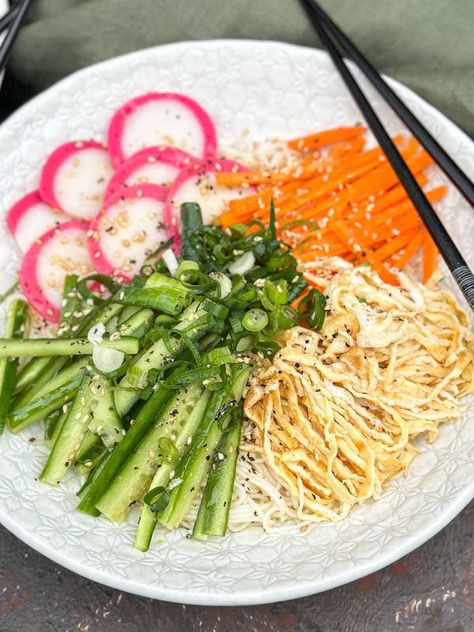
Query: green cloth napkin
[{"x": 426, "y": 44}]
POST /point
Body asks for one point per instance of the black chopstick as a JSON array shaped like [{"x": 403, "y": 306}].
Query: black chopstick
[
  {"x": 444, "y": 161},
  {"x": 450, "y": 253},
  {"x": 8, "y": 17},
  {"x": 12, "y": 32}
]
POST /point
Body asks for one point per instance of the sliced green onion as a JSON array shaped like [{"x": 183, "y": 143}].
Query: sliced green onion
[
  {"x": 272, "y": 222},
  {"x": 170, "y": 261},
  {"x": 107, "y": 281},
  {"x": 107, "y": 360},
  {"x": 312, "y": 308},
  {"x": 255, "y": 320},
  {"x": 191, "y": 221},
  {"x": 300, "y": 222},
  {"x": 153, "y": 261},
  {"x": 196, "y": 281},
  {"x": 244, "y": 344},
  {"x": 164, "y": 320},
  {"x": 221, "y": 355},
  {"x": 157, "y": 499},
  {"x": 236, "y": 322},
  {"x": 9, "y": 291},
  {"x": 277, "y": 292},
  {"x": 265, "y": 301},
  {"x": 243, "y": 264},
  {"x": 168, "y": 449},
  {"x": 225, "y": 284},
  {"x": 187, "y": 266},
  {"x": 216, "y": 309},
  {"x": 283, "y": 318},
  {"x": 297, "y": 286}
]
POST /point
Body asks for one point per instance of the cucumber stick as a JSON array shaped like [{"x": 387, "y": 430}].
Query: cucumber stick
[
  {"x": 213, "y": 514},
  {"x": 66, "y": 375},
  {"x": 194, "y": 465},
  {"x": 51, "y": 423},
  {"x": 147, "y": 522},
  {"x": 136, "y": 378},
  {"x": 16, "y": 317},
  {"x": 71, "y": 435},
  {"x": 94, "y": 455},
  {"x": 28, "y": 409},
  {"x": 45, "y": 347},
  {"x": 103, "y": 476},
  {"x": 90, "y": 448},
  {"x": 43, "y": 405},
  {"x": 183, "y": 411},
  {"x": 38, "y": 371},
  {"x": 105, "y": 421},
  {"x": 196, "y": 461}
]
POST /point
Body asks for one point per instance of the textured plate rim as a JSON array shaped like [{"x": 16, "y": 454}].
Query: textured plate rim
[{"x": 272, "y": 594}]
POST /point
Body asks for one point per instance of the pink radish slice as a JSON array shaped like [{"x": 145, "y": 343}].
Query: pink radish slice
[
  {"x": 75, "y": 177},
  {"x": 30, "y": 217},
  {"x": 161, "y": 118},
  {"x": 128, "y": 229},
  {"x": 153, "y": 165},
  {"x": 199, "y": 185},
  {"x": 60, "y": 251}
]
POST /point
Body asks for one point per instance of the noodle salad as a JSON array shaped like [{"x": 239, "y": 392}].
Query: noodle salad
[{"x": 227, "y": 342}]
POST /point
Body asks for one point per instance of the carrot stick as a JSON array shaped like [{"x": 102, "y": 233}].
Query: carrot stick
[
  {"x": 430, "y": 257},
  {"x": 348, "y": 148},
  {"x": 361, "y": 251},
  {"x": 244, "y": 208},
  {"x": 396, "y": 244},
  {"x": 353, "y": 166},
  {"x": 325, "y": 137},
  {"x": 251, "y": 178},
  {"x": 325, "y": 184},
  {"x": 411, "y": 249},
  {"x": 405, "y": 206},
  {"x": 388, "y": 199}
]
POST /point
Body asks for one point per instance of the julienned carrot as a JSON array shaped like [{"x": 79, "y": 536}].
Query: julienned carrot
[
  {"x": 382, "y": 229},
  {"x": 337, "y": 249},
  {"x": 397, "y": 243},
  {"x": 347, "y": 148},
  {"x": 324, "y": 185},
  {"x": 363, "y": 253},
  {"x": 382, "y": 178},
  {"x": 407, "y": 254},
  {"x": 351, "y": 166},
  {"x": 251, "y": 178},
  {"x": 384, "y": 201},
  {"x": 406, "y": 206},
  {"x": 364, "y": 212},
  {"x": 242, "y": 209},
  {"x": 325, "y": 137},
  {"x": 371, "y": 178},
  {"x": 430, "y": 257}
]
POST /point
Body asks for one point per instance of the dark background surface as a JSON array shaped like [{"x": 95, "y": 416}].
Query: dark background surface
[{"x": 430, "y": 590}]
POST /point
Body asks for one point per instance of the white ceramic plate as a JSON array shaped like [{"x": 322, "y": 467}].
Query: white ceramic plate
[{"x": 273, "y": 90}]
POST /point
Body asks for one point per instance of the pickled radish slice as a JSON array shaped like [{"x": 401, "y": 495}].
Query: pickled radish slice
[
  {"x": 161, "y": 118},
  {"x": 75, "y": 177},
  {"x": 199, "y": 185},
  {"x": 30, "y": 217},
  {"x": 58, "y": 252},
  {"x": 128, "y": 229},
  {"x": 153, "y": 165}
]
